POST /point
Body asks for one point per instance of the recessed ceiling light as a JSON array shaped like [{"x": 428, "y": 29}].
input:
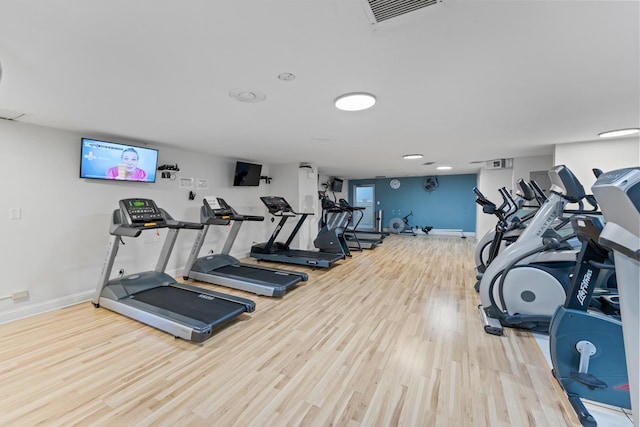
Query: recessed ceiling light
[
  {"x": 412, "y": 156},
  {"x": 287, "y": 77},
  {"x": 244, "y": 95},
  {"x": 619, "y": 132},
  {"x": 444, "y": 168},
  {"x": 355, "y": 101}
]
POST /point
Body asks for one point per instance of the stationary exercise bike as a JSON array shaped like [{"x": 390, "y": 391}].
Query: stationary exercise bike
[
  {"x": 586, "y": 346},
  {"x": 401, "y": 225}
]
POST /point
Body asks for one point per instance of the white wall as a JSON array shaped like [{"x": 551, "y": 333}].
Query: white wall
[
  {"x": 605, "y": 154},
  {"x": 308, "y": 203},
  {"x": 580, "y": 157},
  {"x": 523, "y": 166},
  {"x": 57, "y": 248}
]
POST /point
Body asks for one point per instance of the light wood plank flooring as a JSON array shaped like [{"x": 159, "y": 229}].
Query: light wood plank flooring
[{"x": 390, "y": 337}]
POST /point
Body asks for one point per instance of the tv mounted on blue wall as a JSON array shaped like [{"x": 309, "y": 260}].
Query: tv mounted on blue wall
[{"x": 119, "y": 162}]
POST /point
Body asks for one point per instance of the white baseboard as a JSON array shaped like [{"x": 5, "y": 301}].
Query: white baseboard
[
  {"x": 452, "y": 232},
  {"x": 43, "y": 307},
  {"x": 442, "y": 232}
]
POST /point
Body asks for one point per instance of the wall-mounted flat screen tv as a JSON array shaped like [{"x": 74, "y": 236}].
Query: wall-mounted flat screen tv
[
  {"x": 247, "y": 175},
  {"x": 336, "y": 185},
  {"x": 121, "y": 162}
]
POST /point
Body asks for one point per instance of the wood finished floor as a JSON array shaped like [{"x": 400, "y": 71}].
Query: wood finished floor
[{"x": 390, "y": 337}]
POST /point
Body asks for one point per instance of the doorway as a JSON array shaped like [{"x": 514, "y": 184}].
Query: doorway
[{"x": 364, "y": 196}]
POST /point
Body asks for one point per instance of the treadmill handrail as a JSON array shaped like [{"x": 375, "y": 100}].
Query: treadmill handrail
[
  {"x": 224, "y": 215},
  {"x": 280, "y": 209},
  {"x": 184, "y": 224},
  {"x": 289, "y": 213}
]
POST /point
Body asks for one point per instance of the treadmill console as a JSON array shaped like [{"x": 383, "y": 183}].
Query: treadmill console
[
  {"x": 218, "y": 207},
  {"x": 276, "y": 204},
  {"x": 141, "y": 213}
]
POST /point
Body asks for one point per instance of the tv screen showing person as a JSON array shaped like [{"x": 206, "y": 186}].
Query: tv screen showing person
[
  {"x": 128, "y": 167},
  {"x": 110, "y": 160}
]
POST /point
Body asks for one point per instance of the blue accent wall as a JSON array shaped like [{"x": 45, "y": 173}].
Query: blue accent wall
[{"x": 451, "y": 206}]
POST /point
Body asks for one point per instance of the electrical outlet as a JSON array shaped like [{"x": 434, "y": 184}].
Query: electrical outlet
[{"x": 20, "y": 294}]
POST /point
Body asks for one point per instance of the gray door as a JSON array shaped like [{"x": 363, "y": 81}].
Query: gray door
[{"x": 364, "y": 196}]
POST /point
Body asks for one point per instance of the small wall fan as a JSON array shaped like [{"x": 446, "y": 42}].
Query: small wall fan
[{"x": 430, "y": 183}]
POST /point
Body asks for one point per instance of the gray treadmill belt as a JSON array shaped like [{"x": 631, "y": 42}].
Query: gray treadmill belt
[
  {"x": 190, "y": 304},
  {"x": 258, "y": 275}
]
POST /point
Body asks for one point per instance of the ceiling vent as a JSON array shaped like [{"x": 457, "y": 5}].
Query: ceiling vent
[
  {"x": 382, "y": 10},
  {"x": 500, "y": 164},
  {"x": 10, "y": 115}
]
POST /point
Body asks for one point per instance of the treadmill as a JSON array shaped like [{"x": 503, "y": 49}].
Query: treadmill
[
  {"x": 225, "y": 270},
  {"x": 153, "y": 297},
  {"x": 370, "y": 235},
  {"x": 281, "y": 252},
  {"x": 355, "y": 238}
]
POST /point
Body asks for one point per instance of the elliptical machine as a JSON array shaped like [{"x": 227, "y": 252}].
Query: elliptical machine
[
  {"x": 509, "y": 227},
  {"x": 488, "y": 247},
  {"x": 618, "y": 192},
  {"x": 528, "y": 280},
  {"x": 586, "y": 346}
]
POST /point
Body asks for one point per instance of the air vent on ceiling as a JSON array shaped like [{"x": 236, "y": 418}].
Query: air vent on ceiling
[
  {"x": 10, "y": 115},
  {"x": 500, "y": 164},
  {"x": 387, "y": 9},
  {"x": 427, "y": 163}
]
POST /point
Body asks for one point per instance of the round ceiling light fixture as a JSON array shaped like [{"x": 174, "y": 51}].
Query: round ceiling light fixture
[
  {"x": 356, "y": 101},
  {"x": 444, "y": 168},
  {"x": 244, "y": 95},
  {"x": 286, "y": 77},
  {"x": 619, "y": 132},
  {"x": 412, "y": 156}
]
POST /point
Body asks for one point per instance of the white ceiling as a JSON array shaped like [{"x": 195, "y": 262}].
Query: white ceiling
[{"x": 460, "y": 81}]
